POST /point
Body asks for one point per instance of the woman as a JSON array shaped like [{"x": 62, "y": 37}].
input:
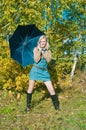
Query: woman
[{"x": 42, "y": 55}]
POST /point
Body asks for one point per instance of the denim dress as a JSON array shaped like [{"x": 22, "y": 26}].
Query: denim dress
[{"x": 39, "y": 71}]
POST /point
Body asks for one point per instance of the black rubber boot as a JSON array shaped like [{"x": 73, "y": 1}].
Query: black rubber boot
[
  {"x": 55, "y": 101},
  {"x": 29, "y": 97}
]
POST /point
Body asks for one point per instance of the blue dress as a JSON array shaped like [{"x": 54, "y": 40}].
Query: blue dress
[{"x": 39, "y": 71}]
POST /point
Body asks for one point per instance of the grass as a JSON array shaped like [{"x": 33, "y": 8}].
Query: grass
[{"x": 43, "y": 116}]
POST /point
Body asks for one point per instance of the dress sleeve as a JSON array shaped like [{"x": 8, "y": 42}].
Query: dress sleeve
[
  {"x": 37, "y": 54},
  {"x": 47, "y": 55}
]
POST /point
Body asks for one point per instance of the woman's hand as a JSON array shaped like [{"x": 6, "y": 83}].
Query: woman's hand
[
  {"x": 47, "y": 55},
  {"x": 39, "y": 48}
]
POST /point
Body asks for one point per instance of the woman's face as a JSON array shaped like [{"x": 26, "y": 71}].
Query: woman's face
[{"x": 43, "y": 43}]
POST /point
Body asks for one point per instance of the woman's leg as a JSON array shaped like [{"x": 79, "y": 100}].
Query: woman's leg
[
  {"x": 50, "y": 87},
  {"x": 31, "y": 86},
  {"x": 52, "y": 93},
  {"x": 29, "y": 94}
]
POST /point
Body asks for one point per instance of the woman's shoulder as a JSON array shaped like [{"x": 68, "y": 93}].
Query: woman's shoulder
[{"x": 35, "y": 49}]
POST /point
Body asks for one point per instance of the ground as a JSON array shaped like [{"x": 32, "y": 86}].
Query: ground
[{"x": 43, "y": 116}]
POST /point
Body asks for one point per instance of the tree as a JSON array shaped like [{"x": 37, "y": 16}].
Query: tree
[{"x": 60, "y": 20}]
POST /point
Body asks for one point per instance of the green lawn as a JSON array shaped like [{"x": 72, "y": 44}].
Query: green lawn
[{"x": 72, "y": 115}]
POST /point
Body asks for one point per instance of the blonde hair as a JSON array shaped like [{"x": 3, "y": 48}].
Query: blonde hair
[{"x": 44, "y": 37}]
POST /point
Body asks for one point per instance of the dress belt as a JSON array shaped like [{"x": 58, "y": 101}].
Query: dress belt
[{"x": 40, "y": 67}]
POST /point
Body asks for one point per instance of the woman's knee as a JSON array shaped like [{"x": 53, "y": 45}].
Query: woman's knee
[{"x": 50, "y": 87}]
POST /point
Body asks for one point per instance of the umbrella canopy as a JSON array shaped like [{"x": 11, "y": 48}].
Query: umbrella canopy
[{"x": 23, "y": 42}]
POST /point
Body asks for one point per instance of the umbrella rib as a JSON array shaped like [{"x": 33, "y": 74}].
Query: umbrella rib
[
  {"x": 22, "y": 43},
  {"x": 29, "y": 52}
]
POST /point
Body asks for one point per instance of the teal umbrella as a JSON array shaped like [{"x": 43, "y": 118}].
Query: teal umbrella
[{"x": 22, "y": 43}]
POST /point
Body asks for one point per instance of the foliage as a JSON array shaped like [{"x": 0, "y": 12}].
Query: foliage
[
  {"x": 49, "y": 17},
  {"x": 13, "y": 76}
]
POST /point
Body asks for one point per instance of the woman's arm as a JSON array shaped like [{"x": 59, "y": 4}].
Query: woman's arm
[
  {"x": 47, "y": 55},
  {"x": 37, "y": 54}
]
